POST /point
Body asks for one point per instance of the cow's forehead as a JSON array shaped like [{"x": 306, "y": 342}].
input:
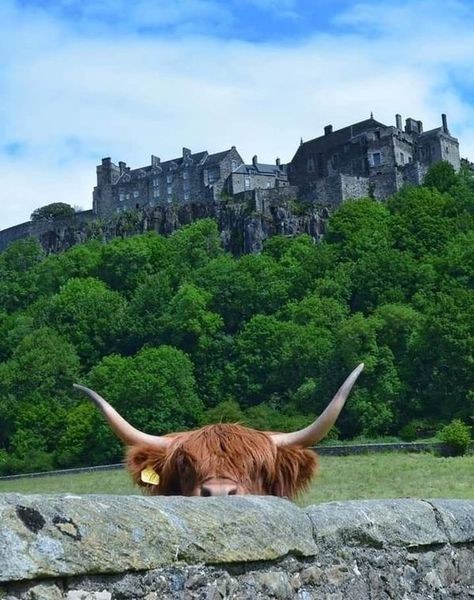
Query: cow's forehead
[{"x": 225, "y": 446}]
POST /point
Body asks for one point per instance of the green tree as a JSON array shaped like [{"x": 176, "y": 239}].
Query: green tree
[
  {"x": 441, "y": 176},
  {"x": 441, "y": 356},
  {"x": 86, "y": 313},
  {"x": 56, "y": 210},
  {"x": 35, "y": 391},
  {"x": 358, "y": 227},
  {"x": 154, "y": 390},
  {"x": 273, "y": 358},
  {"x": 422, "y": 221},
  {"x": 18, "y": 278},
  {"x": 143, "y": 323},
  {"x": 192, "y": 247},
  {"x": 125, "y": 263},
  {"x": 187, "y": 319},
  {"x": 56, "y": 269}
]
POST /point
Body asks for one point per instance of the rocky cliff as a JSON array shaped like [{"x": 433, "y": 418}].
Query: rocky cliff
[
  {"x": 118, "y": 547},
  {"x": 244, "y": 225}
]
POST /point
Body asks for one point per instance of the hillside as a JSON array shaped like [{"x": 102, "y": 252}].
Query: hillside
[{"x": 175, "y": 332}]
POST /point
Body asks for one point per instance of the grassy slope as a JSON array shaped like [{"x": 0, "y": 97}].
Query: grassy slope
[{"x": 391, "y": 475}]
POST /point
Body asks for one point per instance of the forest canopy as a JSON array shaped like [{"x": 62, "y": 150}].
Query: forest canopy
[{"x": 175, "y": 333}]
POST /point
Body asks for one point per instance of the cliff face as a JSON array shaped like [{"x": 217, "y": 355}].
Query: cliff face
[
  {"x": 244, "y": 226},
  {"x": 131, "y": 547}
]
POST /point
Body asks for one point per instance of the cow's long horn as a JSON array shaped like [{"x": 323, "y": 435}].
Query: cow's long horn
[
  {"x": 124, "y": 430},
  {"x": 320, "y": 428}
]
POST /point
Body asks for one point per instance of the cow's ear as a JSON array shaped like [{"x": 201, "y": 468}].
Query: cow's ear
[
  {"x": 294, "y": 469},
  {"x": 141, "y": 458}
]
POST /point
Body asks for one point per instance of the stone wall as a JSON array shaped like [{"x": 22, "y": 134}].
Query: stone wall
[
  {"x": 49, "y": 231},
  {"x": 131, "y": 547}
]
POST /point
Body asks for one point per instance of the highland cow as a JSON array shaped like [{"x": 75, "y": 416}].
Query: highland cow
[{"x": 224, "y": 459}]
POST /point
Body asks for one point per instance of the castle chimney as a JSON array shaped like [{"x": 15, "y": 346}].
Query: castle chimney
[
  {"x": 155, "y": 160},
  {"x": 122, "y": 166},
  {"x": 328, "y": 129},
  {"x": 186, "y": 152},
  {"x": 420, "y": 126},
  {"x": 445, "y": 123},
  {"x": 277, "y": 162},
  {"x": 254, "y": 160},
  {"x": 398, "y": 120}
]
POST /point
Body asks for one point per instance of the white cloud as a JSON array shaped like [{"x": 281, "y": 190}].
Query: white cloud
[{"x": 73, "y": 98}]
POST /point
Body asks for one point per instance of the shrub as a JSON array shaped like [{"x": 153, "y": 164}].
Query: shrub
[
  {"x": 418, "y": 429},
  {"x": 457, "y": 435}
]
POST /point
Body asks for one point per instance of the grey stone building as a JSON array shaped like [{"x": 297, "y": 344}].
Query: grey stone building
[
  {"x": 191, "y": 178},
  {"x": 369, "y": 158},
  {"x": 257, "y": 176}
]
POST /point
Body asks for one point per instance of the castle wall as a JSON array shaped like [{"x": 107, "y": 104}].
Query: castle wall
[
  {"x": 354, "y": 187},
  {"x": 260, "y": 181},
  {"x": 334, "y": 190},
  {"x": 130, "y": 547},
  {"x": 46, "y": 231}
]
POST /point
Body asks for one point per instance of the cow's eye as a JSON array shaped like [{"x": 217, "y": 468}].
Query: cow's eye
[
  {"x": 205, "y": 492},
  {"x": 232, "y": 492}
]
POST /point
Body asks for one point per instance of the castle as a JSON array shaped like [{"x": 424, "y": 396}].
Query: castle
[{"x": 366, "y": 158}]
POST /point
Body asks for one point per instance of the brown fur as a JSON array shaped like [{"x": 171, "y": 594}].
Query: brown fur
[{"x": 243, "y": 455}]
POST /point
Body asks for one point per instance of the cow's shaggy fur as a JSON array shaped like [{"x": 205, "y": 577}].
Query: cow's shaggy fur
[{"x": 233, "y": 452}]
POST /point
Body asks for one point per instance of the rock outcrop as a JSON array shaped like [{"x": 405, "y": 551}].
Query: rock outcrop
[
  {"x": 130, "y": 547},
  {"x": 244, "y": 226}
]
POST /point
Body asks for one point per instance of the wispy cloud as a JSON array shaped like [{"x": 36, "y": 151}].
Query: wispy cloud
[{"x": 79, "y": 83}]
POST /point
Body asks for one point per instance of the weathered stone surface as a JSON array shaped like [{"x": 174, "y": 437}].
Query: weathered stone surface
[
  {"x": 44, "y": 536},
  {"x": 377, "y": 523},
  {"x": 456, "y": 518},
  {"x": 244, "y": 548}
]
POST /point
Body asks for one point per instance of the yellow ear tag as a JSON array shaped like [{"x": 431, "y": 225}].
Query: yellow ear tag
[{"x": 148, "y": 475}]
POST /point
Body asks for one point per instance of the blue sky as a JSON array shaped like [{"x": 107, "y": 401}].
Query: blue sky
[{"x": 83, "y": 80}]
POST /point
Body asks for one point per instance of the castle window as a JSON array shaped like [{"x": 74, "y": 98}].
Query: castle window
[
  {"x": 376, "y": 159},
  {"x": 269, "y": 184},
  {"x": 377, "y": 135},
  {"x": 185, "y": 174},
  {"x": 234, "y": 165},
  {"x": 310, "y": 164},
  {"x": 186, "y": 195},
  {"x": 335, "y": 161},
  {"x": 402, "y": 158},
  {"x": 247, "y": 183},
  {"x": 127, "y": 196},
  {"x": 410, "y": 159},
  {"x": 156, "y": 193},
  {"x": 212, "y": 176},
  {"x": 169, "y": 178},
  {"x": 136, "y": 193},
  {"x": 121, "y": 197},
  {"x": 186, "y": 186},
  {"x": 447, "y": 149},
  {"x": 156, "y": 182},
  {"x": 170, "y": 190}
]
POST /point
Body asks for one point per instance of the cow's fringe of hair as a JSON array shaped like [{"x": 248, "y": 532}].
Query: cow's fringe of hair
[
  {"x": 224, "y": 450},
  {"x": 294, "y": 470}
]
